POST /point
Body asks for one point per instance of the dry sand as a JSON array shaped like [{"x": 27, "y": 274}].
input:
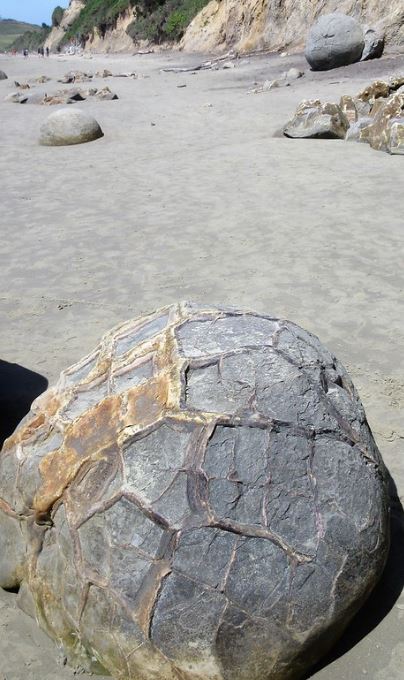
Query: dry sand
[{"x": 189, "y": 195}]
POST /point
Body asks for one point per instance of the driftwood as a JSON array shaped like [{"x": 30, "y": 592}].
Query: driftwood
[{"x": 204, "y": 66}]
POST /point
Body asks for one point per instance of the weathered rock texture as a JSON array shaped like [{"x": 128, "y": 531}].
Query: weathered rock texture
[
  {"x": 316, "y": 120},
  {"x": 375, "y": 116},
  {"x": 69, "y": 126},
  {"x": 198, "y": 499},
  {"x": 334, "y": 40},
  {"x": 3, "y": 76},
  {"x": 278, "y": 25}
]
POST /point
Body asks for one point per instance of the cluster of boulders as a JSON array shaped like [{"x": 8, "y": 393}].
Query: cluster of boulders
[
  {"x": 82, "y": 76},
  {"x": 337, "y": 40},
  {"x": 375, "y": 116},
  {"x": 62, "y": 96}
]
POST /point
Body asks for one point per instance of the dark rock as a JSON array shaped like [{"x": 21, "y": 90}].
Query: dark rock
[
  {"x": 69, "y": 126},
  {"x": 316, "y": 120},
  {"x": 374, "y": 44},
  {"x": 3, "y": 76},
  {"x": 203, "y": 498},
  {"x": 334, "y": 40}
]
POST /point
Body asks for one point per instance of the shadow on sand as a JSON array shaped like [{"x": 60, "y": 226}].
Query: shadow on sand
[
  {"x": 18, "y": 388},
  {"x": 386, "y": 593}
]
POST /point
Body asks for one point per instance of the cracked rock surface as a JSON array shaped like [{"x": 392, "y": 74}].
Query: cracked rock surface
[{"x": 200, "y": 498}]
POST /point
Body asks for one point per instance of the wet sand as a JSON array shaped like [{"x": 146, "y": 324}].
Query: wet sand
[{"x": 190, "y": 196}]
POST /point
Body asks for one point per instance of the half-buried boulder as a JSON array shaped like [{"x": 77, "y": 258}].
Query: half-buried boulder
[
  {"x": 69, "y": 126},
  {"x": 199, "y": 498},
  {"x": 334, "y": 40},
  {"x": 3, "y": 76}
]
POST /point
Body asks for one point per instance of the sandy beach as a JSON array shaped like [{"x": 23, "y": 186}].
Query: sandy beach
[{"x": 189, "y": 195}]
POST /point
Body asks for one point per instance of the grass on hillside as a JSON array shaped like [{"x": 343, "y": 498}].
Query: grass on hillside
[
  {"x": 31, "y": 40},
  {"x": 10, "y": 30}
]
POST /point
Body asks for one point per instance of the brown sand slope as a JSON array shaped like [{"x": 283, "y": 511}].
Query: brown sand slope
[{"x": 189, "y": 195}]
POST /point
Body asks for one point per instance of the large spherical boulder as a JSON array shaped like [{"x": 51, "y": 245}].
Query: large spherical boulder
[
  {"x": 334, "y": 40},
  {"x": 69, "y": 126},
  {"x": 200, "y": 497}
]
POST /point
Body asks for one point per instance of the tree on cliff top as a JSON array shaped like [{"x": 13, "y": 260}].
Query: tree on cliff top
[{"x": 57, "y": 16}]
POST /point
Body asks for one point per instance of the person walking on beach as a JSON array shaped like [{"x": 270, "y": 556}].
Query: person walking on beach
[
  {"x": 47, "y": 51},
  {"x": 25, "y": 52}
]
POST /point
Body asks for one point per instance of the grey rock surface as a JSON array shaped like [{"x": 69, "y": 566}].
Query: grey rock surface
[
  {"x": 3, "y": 76},
  {"x": 374, "y": 44},
  {"x": 314, "y": 120},
  {"x": 69, "y": 126},
  {"x": 334, "y": 40},
  {"x": 354, "y": 131},
  {"x": 200, "y": 497}
]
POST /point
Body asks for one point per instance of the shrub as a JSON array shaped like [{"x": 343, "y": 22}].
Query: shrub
[
  {"x": 164, "y": 20},
  {"x": 101, "y": 14},
  {"x": 57, "y": 16}
]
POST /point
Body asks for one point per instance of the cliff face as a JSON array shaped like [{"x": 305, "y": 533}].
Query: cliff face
[
  {"x": 70, "y": 14},
  {"x": 244, "y": 24},
  {"x": 114, "y": 39},
  {"x": 279, "y": 24}
]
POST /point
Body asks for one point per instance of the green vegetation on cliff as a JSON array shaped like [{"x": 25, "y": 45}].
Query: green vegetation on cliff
[
  {"x": 164, "y": 20},
  {"x": 100, "y": 14},
  {"x": 156, "y": 20}
]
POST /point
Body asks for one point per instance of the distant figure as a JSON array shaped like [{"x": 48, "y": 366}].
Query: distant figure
[
  {"x": 47, "y": 51},
  {"x": 25, "y": 53},
  {"x": 59, "y": 49}
]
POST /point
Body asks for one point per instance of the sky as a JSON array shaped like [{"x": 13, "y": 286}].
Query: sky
[{"x": 32, "y": 11}]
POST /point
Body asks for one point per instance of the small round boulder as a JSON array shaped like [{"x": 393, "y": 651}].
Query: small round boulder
[
  {"x": 199, "y": 498},
  {"x": 69, "y": 126},
  {"x": 334, "y": 40}
]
